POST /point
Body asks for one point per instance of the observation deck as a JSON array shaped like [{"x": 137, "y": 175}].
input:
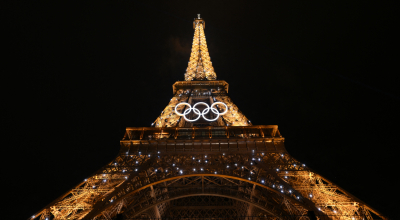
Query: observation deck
[
  {"x": 213, "y": 84},
  {"x": 260, "y": 138}
]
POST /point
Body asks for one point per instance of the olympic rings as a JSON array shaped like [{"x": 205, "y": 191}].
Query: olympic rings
[{"x": 204, "y": 112}]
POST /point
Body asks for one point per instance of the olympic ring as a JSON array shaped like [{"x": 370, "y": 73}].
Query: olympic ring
[{"x": 197, "y": 111}]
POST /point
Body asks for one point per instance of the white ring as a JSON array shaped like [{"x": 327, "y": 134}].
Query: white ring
[{"x": 204, "y": 112}]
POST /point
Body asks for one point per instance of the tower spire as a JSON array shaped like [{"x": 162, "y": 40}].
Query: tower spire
[{"x": 200, "y": 66}]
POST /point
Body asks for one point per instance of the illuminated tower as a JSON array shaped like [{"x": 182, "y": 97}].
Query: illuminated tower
[
  {"x": 200, "y": 65},
  {"x": 202, "y": 158}
]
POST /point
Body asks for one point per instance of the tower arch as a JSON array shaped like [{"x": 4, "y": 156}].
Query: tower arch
[{"x": 162, "y": 189}]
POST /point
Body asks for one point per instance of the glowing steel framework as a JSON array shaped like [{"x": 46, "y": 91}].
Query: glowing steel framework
[
  {"x": 205, "y": 168},
  {"x": 200, "y": 65}
]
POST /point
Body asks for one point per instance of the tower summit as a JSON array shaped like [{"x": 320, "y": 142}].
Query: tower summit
[
  {"x": 200, "y": 100},
  {"x": 202, "y": 158},
  {"x": 200, "y": 65}
]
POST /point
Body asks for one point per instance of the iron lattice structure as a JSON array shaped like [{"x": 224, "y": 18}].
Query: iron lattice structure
[
  {"x": 200, "y": 65},
  {"x": 224, "y": 167}
]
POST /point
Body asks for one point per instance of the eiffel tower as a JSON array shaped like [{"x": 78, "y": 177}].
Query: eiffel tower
[{"x": 202, "y": 158}]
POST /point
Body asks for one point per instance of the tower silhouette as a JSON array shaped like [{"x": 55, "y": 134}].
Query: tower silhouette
[{"x": 202, "y": 158}]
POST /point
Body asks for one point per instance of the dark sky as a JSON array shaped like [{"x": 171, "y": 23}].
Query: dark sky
[{"x": 77, "y": 73}]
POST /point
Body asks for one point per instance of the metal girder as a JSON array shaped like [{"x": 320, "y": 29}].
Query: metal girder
[
  {"x": 201, "y": 207},
  {"x": 131, "y": 174},
  {"x": 145, "y": 208},
  {"x": 263, "y": 201}
]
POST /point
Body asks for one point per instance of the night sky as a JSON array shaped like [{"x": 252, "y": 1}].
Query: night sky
[{"x": 77, "y": 73}]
